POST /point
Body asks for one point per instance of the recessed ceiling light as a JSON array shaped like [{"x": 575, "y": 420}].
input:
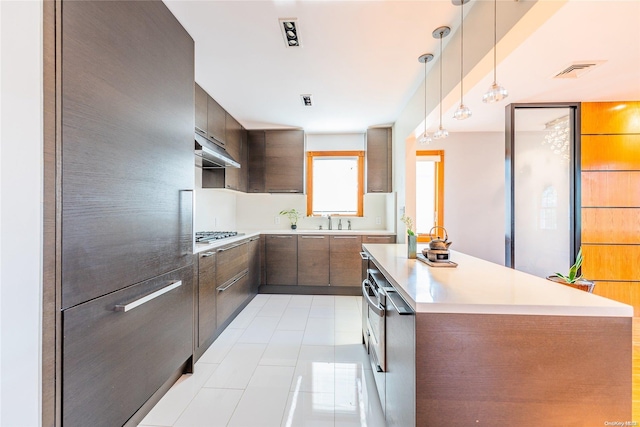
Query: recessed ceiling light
[
  {"x": 290, "y": 32},
  {"x": 307, "y": 100}
]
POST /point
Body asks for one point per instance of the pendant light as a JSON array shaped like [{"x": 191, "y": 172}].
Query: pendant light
[
  {"x": 440, "y": 33},
  {"x": 496, "y": 92},
  {"x": 425, "y": 138},
  {"x": 463, "y": 112}
]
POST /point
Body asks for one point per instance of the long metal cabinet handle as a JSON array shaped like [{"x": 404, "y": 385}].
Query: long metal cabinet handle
[
  {"x": 377, "y": 309},
  {"x": 280, "y": 237},
  {"x": 379, "y": 237},
  {"x": 312, "y": 237},
  {"x": 253, "y": 239},
  {"x": 200, "y": 131},
  {"x": 207, "y": 254},
  {"x": 139, "y": 302},
  {"x": 231, "y": 247},
  {"x": 233, "y": 282},
  {"x": 400, "y": 305},
  {"x": 364, "y": 255},
  {"x": 345, "y": 237},
  {"x": 283, "y": 191}
]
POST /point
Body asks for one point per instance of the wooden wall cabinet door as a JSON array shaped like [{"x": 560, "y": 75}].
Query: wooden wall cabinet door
[
  {"x": 313, "y": 260},
  {"x": 379, "y": 160},
  {"x": 243, "y": 180},
  {"x": 281, "y": 259},
  {"x": 206, "y": 298},
  {"x": 216, "y": 121},
  {"x": 256, "y": 161},
  {"x": 345, "y": 264},
  {"x": 284, "y": 161},
  {"x": 201, "y": 98},
  {"x": 234, "y": 148}
]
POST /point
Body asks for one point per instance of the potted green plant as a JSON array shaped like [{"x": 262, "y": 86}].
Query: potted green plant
[
  {"x": 293, "y": 216},
  {"x": 412, "y": 239},
  {"x": 573, "y": 278}
]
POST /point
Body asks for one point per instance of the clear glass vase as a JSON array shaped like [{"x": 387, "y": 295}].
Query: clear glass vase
[{"x": 412, "y": 245}]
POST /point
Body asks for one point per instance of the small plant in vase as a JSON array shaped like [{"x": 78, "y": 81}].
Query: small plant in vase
[
  {"x": 293, "y": 215},
  {"x": 572, "y": 278},
  {"x": 412, "y": 239}
]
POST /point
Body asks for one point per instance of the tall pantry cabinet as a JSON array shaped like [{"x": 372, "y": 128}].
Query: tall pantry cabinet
[{"x": 124, "y": 103}]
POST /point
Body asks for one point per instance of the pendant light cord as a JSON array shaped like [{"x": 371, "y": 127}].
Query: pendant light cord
[
  {"x": 441, "y": 80},
  {"x": 425, "y": 97},
  {"x": 495, "y": 14},
  {"x": 461, "y": 51}
]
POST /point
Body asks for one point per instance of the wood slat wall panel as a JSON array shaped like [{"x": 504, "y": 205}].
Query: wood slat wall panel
[
  {"x": 625, "y": 292},
  {"x": 611, "y": 225},
  {"x": 610, "y": 117},
  {"x": 611, "y": 262},
  {"x": 611, "y": 189},
  {"x": 610, "y": 152}
]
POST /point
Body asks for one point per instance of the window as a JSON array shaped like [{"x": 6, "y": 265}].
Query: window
[
  {"x": 429, "y": 192},
  {"x": 335, "y": 182}
]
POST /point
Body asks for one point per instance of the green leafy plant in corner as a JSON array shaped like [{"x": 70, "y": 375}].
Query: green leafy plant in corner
[
  {"x": 573, "y": 277},
  {"x": 408, "y": 222},
  {"x": 292, "y": 214}
]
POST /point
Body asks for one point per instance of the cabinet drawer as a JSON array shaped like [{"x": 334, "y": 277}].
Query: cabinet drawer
[
  {"x": 206, "y": 296},
  {"x": 378, "y": 239},
  {"x": 230, "y": 296},
  {"x": 115, "y": 360},
  {"x": 231, "y": 261}
]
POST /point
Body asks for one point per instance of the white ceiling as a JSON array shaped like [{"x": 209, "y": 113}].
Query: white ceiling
[{"x": 359, "y": 60}]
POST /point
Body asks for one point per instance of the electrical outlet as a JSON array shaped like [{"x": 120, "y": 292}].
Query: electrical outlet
[
  {"x": 276, "y": 220},
  {"x": 378, "y": 220}
]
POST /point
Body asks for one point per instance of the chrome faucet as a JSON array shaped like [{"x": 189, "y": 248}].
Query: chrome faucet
[{"x": 330, "y": 228}]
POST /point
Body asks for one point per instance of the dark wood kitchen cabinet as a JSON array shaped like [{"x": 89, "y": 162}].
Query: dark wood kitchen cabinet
[
  {"x": 124, "y": 200},
  {"x": 233, "y": 288},
  {"x": 375, "y": 238},
  {"x": 281, "y": 263},
  {"x": 313, "y": 260},
  {"x": 255, "y": 261},
  {"x": 379, "y": 160},
  {"x": 345, "y": 263},
  {"x": 216, "y": 121},
  {"x": 255, "y": 161},
  {"x": 201, "y": 99},
  {"x": 206, "y": 300},
  {"x": 234, "y": 146},
  {"x": 284, "y": 161}
]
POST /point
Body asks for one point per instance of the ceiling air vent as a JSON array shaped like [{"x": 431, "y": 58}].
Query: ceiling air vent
[
  {"x": 290, "y": 32},
  {"x": 577, "y": 69},
  {"x": 307, "y": 100}
]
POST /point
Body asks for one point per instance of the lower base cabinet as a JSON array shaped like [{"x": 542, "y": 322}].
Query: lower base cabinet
[
  {"x": 281, "y": 254},
  {"x": 138, "y": 345},
  {"x": 206, "y": 299},
  {"x": 345, "y": 262}
]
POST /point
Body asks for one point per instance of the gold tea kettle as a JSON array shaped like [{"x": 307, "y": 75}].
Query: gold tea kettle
[{"x": 439, "y": 244}]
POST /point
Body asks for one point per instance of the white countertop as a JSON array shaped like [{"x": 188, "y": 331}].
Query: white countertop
[
  {"x": 477, "y": 286},
  {"x": 203, "y": 247}
]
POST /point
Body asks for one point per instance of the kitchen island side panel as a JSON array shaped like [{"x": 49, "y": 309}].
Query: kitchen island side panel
[{"x": 490, "y": 370}]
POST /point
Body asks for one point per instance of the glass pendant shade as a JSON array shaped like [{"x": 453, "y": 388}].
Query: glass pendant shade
[
  {"x": 495, "y": 93},
  {"x": 424, "y": 139},
  {"x": 463, "y": 112},
  {"x": 441, "y": 133}
]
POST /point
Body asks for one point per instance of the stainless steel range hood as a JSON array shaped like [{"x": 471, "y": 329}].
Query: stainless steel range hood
[{"x": 212, "y": 156}]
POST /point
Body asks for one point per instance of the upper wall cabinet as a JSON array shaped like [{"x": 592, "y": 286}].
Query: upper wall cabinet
[
  {"x": 255, "y": 161},
  {"x": 201, "y": 110},
  {"x": 379, "y": 170},
  {"x": 284, "y": 161},
  {"x": 216, "y": 121}
]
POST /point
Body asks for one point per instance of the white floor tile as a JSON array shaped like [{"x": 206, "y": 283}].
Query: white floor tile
[
  {"x": 236, "y": 369},
  {"x": 324, "y": 311},
  {"x": 259, "y": 330},
  {"x": 283, "y": 349},
  {"x": 346, "y": 303},
  {"x": 261, "y": 407},
  {"x": 354, "y": 354},
  {"x": 348, "y": 337},
  {"x": 317, "y": 353},
  {"x": 319, "y": 331},
  {"x": 275, "y": 307},
  {"x": 272, "y": 377},
  {"x": 323, "y": 300},
  {"x": 315, "y": 377},
  {"x": 243, "y": 320},
  {"x": 348, "y": 320},
  {"x": 175, "y": 401},
  {"x": 294, "y": 319},
  {"x": 259, "y": 300},
  {"x": 221, "y": 346},
  {"x": 309, "y": 410},
  {"x": 300, "y": 301},
  {"x": 210, "y": 407}
]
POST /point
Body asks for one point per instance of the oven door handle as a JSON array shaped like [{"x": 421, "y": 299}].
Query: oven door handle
[{"x": 375, "y": 307}]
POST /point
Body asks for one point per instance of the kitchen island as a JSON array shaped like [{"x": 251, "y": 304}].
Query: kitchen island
[{"x": 488, "y": 346}]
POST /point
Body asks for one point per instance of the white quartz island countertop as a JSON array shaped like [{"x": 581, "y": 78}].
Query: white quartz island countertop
[{"x": 477, "y": 286}]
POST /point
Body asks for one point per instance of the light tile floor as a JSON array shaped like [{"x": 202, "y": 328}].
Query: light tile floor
[{"x": 286, "y": 360}]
